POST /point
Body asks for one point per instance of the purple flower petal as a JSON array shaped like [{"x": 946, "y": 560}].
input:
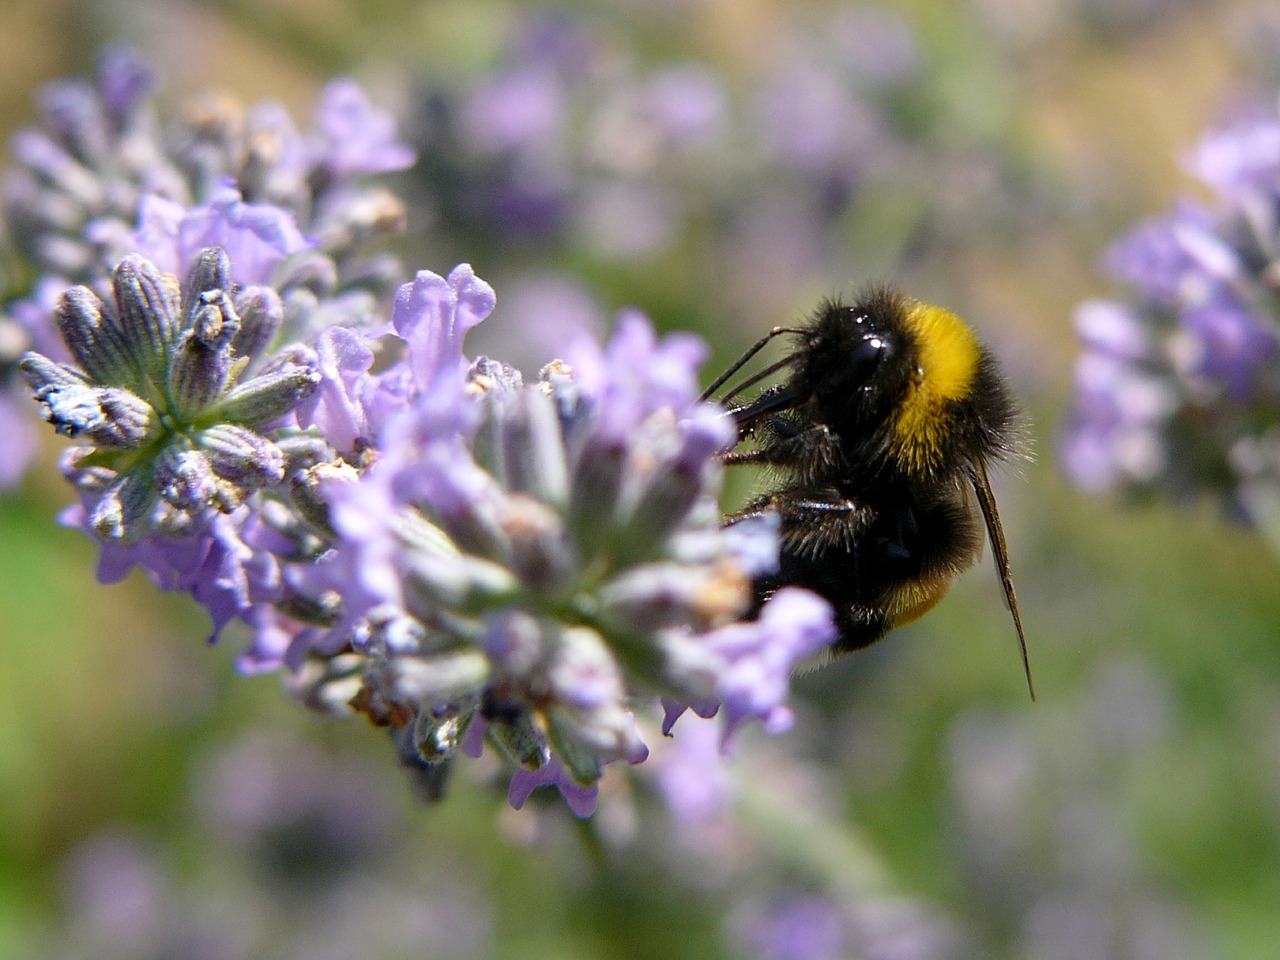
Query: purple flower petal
[
  {"x": 581, "y": 800},
  {"x": 256, "y": 236},
  {"x": 1231, "y": 346},
  {"x": 343, "y": 357},
  {"x": 761, "y": 655},
  {"x": 124, "y": 81},
  {"x": 433, "y": 315}
]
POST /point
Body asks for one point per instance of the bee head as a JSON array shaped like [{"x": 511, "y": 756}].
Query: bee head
[
  {"x": 910, "y": 378},
  {"x": 854, "y": 362}
]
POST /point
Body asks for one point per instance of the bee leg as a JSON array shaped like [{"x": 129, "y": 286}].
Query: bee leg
[{"x": 735, "y": 458}]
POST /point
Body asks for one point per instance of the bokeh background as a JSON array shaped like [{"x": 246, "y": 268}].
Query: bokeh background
[{"x": 722, "y": 165}]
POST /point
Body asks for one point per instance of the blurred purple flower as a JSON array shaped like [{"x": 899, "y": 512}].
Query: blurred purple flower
[
  {"x": 356, "y": 138},
  {"x": 117, "y": 890},
  {"x": 691, "y": 774},
  {"x": 794, "y": 926},
  {"x": 1230, "y": 347},
  {"x": 1242, "y": 160},
  {"x": 17, "y": 440},
  {"x": 520, "y": 109},
  {"x": 685, "y": 103},
  {"x": 1173, "y": 387}
]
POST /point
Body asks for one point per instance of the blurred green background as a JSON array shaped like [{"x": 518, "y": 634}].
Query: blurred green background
[{"x": 1133, "y": 812}]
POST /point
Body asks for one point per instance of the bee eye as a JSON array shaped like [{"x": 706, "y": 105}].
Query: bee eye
[{"x": 866, "y": 355}]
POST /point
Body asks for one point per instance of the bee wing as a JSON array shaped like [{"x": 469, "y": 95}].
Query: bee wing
[{"x": 1000, "y": 553}]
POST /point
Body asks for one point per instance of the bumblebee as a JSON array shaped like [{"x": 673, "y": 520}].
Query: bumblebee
[{"x": 878, "y": 438}]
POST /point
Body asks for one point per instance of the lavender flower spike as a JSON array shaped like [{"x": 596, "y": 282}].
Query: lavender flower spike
[{"x": 537, "y": 562}]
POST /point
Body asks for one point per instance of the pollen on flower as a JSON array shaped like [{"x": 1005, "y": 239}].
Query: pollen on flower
[{"x": 724, "y": 594}]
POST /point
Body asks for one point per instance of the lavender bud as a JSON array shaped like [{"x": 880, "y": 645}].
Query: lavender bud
[
  {"x": 663, "y": 505},
  {"x": 108, "y": 416},
  {"x": 418, "y": 533},
  {"x": 659, "y": 596},
  {"x": 458, "y": 582},
  {"x": 71, "y": 107},
  {"x": 432, "y": 682},
  {"x": 44, "y": 375},
  {"x": 493, "y": 376},
  {"x": 211, "y": 271},
  {"x": 302, "y": 452},
  {"x": 147, "y": 304},
  {"x": 380, "y": 274},
  {"x": 513, "y": 732},
  {"x": 184, "y": 478},
  {"x": 268, "y": 397},
  {"x": 533, "y": 448},
  {"x": 94, "y": 341},
  {"x": 579, "y": 759},
  {"x": 64, "y": 256},
  {"x": 53, "y": 165},
  {"x": 322, "y": 611},
  {"x": 305, "y": 491},
  {"x": 242, "y": 456},
  {"x": 124, "y": 512},
  {"x": 595, "y": 493},
  {"x": 539, "y": 550},
  {"x": 310, "y": 270},
  {"x": 202, "y": 363},
  {"x": 261, "y": 314},
  {"x": 83, "y": 473}
]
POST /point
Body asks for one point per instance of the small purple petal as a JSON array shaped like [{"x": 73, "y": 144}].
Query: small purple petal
[
  {"x": 1231, "y": 346},
  {"x": 581, "y": 800},
  {"x": 343, "y": 357},
  {"x": 516, "y": 110},
  {"x": 797, "y": 927},
  {"x": 1111, "y": 327},
  {"x": 433, "y": 315},
  {"x": 761, "y": 655},
  {"x": 255, "y": 236},
  {"x": 124, "y": 81},
  {"x": 156, "y": 235}
]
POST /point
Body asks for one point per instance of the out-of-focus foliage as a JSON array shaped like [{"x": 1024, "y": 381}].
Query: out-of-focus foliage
[{"x": 980, "y": 154}]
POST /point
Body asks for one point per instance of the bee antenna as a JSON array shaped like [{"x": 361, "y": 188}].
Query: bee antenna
[
  {"x": 1000, "y": 551},
  {"x": 742, "y": 361},
  {"x": 756, "y": 378}
]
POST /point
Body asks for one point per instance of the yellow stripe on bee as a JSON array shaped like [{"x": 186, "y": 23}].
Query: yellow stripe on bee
[
  {"x": 911, "y": 600},
  {"x": 947, "y": 354}
]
